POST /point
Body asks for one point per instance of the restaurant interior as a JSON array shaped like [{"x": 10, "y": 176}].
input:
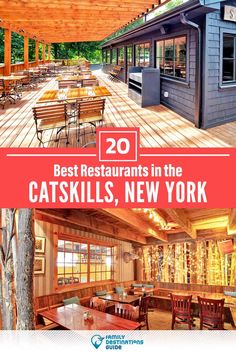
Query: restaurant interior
[{"x": 149, "y": 269}]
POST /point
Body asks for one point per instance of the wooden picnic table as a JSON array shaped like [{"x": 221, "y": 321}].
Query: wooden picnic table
[
  {"x": 71, "y": 317},
  {"x": 128, "y": 299},
  {"x": 74, "y": 94},
  {"x": 76, "y": 78}
]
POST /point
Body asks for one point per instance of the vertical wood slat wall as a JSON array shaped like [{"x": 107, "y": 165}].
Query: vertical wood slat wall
[{"x": 43, "y": 284}]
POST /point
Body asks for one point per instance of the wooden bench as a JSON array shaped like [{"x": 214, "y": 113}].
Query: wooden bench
[
  {"x": 53, "y": 300},
  {"x": 114, "y": 74}
]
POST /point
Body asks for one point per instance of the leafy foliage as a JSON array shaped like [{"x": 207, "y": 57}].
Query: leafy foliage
[
  {"x": 88, "y": 50},
  {"x": 1, "y": 45}
]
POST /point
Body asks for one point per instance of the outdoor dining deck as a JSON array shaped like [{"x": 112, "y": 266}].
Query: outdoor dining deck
[{"x": 159, "y": 126}]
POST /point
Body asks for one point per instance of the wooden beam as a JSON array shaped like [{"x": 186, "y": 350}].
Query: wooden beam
[
  {"x": 132, "y": 219},
  {"x": 56, "y": 18},
  {"x": 179, "y": 217},
  {"x": 232, "y": 219},
  {"x": 7, "y": 52},
  {"x": 80, "y": 219},
  {"x": 26, "y": 52},
  {"x": 49, "y": 52}
]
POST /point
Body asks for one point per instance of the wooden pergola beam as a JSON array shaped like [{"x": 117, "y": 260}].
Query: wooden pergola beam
[
  {"x": 130, "y": 218},
  {"x": 58, "y": 19},
  {"x": 80, "y": 219},
  {"x": 179, "y": 217},
  {"x": 7, "y": 52}
]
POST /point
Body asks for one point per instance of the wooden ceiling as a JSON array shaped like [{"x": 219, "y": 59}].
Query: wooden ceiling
[
  {"x": 137, "y": 227},
  {"x": 70, "y": 20}
]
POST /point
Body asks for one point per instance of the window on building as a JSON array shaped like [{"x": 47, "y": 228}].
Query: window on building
[
  {"x": 114, "y": 56},
  {"x": 121, "y": 56},
  {"x": 229, "y": 58},
  {"x": 142, "y": 54},
  {"x": 17, "y": 48},
  {"x": 31, "y": 50},
  {"x": 83, "y": 263},
  {"x": 171, "y": 57},
  {"x": 129, "y": 52}
]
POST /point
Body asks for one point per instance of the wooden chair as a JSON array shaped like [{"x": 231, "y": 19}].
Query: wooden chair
[
  {"x": 114, "y": 74},
  {"x": 127, "y": 311},
  {"x": 211, "y": 313},
  {"x": 90, "y": 83},
  {"x": 181, "y": 310},
  {"x": 143, "y": 311},
  {"x": 98, "y": 304},
  {"x": 90, "y": 112},
  {"x": 51, "y": 117},
  {"x": 67, "y": 84}
]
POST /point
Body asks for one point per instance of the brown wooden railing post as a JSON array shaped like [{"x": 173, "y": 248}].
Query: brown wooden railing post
[
  {"x": 36, "y": 53},
  {"x": 26, "y": 53},
  {"x": 7, "y": 52}
]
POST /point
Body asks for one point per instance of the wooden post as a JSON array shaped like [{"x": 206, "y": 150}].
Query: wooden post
[
  {"x": 49, "y": 53},
  {"x": 36, "y": 53},
  {"x": 7, "y": 52},
  {"x": 44, "y": 52},
  {"x": 26, "y": 53}
]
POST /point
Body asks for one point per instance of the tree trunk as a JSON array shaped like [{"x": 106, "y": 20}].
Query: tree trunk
[
  {"x": 25, "y": 271},
  {"x": 8, "y": 288}
]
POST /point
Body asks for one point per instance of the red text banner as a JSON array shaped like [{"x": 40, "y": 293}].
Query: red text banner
[{"x": 118, "y": 173}]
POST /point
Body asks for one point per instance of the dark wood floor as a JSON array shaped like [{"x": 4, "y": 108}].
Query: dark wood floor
[{"x": 159, "y": 126}]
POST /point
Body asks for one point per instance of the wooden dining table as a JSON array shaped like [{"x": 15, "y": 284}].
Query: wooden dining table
[
  {"x": 74, "y": 94},
  {"x": 71, "y": 317},
  {"x": 12, "y": 78},
  {"x": 127, "y": 299}
]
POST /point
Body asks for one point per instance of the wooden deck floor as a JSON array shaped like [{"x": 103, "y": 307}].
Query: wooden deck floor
[{"x": 159, "y": 126}]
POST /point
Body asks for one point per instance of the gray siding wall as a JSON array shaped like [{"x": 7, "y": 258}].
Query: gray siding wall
[
  {"x": 219, "y": 103},
  {"x": 181, "y": 95}
]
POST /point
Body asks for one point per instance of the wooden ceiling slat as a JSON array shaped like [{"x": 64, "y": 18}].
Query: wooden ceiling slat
[{"x": 70, "y": 20}]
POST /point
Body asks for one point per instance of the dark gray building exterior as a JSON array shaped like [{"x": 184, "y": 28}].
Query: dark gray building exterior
[{"x": 194, "y": 46}]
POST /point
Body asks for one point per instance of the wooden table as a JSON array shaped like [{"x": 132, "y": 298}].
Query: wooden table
[
  {"x": 12, "y": 78},
  {"x": 72, "y": 317},
  {"x": 74, "y": 94},
  {"x": 128, "y": 299},
  {"x": 76, "y": 78},
  {"x": 147, "y": 291}
]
